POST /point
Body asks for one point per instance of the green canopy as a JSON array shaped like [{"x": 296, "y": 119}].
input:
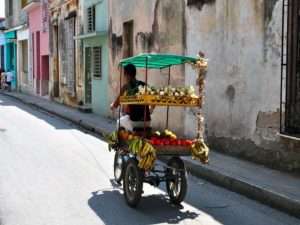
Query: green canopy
[{"x": 156, "y": 61}]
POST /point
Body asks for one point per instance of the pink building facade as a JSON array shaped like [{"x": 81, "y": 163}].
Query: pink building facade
[{"x": 39, "y": 42}]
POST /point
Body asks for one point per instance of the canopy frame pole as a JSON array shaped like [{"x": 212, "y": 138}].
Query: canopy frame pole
[
  {"x": 146, "y": 92},
  {"x": 201, "y": 82},
  {"x": 119, "y": 122},
  {"x": 168, "y": 108}
]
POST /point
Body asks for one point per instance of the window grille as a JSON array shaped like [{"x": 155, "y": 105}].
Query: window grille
[
  {"x": 97, "y": 62},
  {"x": 91, "y": 21}
]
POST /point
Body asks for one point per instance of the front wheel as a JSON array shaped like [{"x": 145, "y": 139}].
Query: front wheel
[
  {"x": 176, "y": 181},
  {"x": 133, "y": 183},
  {"x": 118, "y": 167}
]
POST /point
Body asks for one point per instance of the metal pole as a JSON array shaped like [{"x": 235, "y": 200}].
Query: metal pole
[
  {"x": 168, "y": 108},
  {"x": 146, "y": 106},
  {"x": 119, "y": 122}
]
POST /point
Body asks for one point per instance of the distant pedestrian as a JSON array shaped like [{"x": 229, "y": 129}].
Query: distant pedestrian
[
  {"x": 1, "y": 71},
  {"x": 9, "y": 77}
]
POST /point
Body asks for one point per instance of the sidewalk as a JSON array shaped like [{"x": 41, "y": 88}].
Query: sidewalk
[
  {"x": 277, "y": 189},
  {"x": 88, "y": 121}
]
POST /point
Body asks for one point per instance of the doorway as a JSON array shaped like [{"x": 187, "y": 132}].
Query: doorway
[
  {"x": 56, "y": 62},
  {"x": 88, "y": 75},
  {"x": 128, "y": 39},
  {"x": 38, "y": 63},
  {"x": 45, "y": 75}
]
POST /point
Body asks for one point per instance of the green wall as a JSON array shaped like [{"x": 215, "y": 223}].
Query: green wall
[
  {"x": 101, "y": 13},
  {"x": 100, "y": 103},
  {"x": 100, "y": 86},
  {"x": 10, "y": 50}
]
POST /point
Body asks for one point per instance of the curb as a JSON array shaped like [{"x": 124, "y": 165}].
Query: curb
[{"x": 252, "y": 191}]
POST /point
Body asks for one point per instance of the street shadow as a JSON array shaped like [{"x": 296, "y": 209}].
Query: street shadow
[
  {"x": 111, "y": 208},
  {"x": 36, "y": 112}
]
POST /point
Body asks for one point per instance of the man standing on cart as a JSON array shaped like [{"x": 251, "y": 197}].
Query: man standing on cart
[{"x": 136, "y": 116}]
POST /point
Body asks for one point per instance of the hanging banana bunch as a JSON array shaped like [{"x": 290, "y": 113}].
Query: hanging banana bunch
[
  {"x": 135, "y": 145},
  {"x": 147, "y": 156},
  {"x": 200, "y": 151},
  {"x": 145, "y": 152}
]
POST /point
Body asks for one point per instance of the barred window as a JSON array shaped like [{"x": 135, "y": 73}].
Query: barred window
[
  {"x": 91, "y": 19},
  {"x": 97, "y": 62}
]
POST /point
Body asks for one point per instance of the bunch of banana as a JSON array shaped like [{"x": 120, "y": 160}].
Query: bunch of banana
[
  {"x": 147, "y": 155},
  {"x": 112, "y": 139},
  {"x": 200, "y": 151},
  {"x": 169, "y": 134},
  {"x": 135, "y": 145}
]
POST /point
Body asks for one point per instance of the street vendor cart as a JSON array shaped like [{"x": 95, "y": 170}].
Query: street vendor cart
[{"x": 136, "y": 151}]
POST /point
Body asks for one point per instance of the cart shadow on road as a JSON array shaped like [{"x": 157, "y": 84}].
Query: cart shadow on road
[{"x": 110, "y": 207}]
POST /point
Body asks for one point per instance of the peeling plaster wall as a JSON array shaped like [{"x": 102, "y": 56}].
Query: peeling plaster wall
[
  {"x": 18, "y": 16},
  {"x": 59, "y": 11},
  {"x": 242, "y": 40},
  {"x": 159, "y": 26}
]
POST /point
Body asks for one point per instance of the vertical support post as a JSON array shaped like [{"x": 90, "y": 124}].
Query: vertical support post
[
  {"x": 146, "y": 92},
  {"x": 201, "y": 83},
  {"x": 168, "y": 108},
  {"x": 120, "y": 107}
]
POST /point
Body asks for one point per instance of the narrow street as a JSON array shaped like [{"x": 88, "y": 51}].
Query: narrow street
[{"x": 51, "y": 173}]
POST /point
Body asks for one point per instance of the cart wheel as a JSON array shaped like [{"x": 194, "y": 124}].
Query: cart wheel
[
  {"x": 133, "y": 183},
  {"x": 176, "y": 181},
  {"x": 118, "y": 167}
]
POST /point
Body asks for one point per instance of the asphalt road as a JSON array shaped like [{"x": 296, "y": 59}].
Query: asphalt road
[{"x": 51, "y": 173}]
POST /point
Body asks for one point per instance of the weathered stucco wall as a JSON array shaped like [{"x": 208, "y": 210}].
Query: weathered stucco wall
[
  {"x": 242, "y": 39},
  {"x": 65, "y": 59},
  {"x": 158, "y": 27},
  {"x": 16, "y": 17}
]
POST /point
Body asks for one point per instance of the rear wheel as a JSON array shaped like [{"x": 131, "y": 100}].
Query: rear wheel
[
  {"x": 133, "y": 183},
  {"x": 118, "y": 167},
  {"x": 177, "y": 180}
]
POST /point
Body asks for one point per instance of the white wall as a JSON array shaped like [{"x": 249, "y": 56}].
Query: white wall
[{"x": 23, "y": 35}]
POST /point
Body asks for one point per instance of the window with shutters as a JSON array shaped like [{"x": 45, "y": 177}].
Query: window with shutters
[
  {"x": 91, "y": 19},
  {"x": 10, "y": 8},
  {"x": 70, "y": 54},
  {"x": 97, "y": 62},
  {"x": 128, "y": 39}
]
